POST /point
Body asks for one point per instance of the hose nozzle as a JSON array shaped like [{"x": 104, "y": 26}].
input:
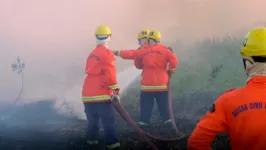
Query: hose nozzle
[{"x": 115, "y": 98}]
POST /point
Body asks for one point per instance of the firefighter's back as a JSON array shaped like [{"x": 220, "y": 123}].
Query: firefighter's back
[
  {"x": 155, "y": 61},
  {"x": 246, "y": 111},
  {"x": 95, "y": 84}
]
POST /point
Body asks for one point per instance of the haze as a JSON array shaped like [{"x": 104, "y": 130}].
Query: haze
[{"x": 54, "y": 37}]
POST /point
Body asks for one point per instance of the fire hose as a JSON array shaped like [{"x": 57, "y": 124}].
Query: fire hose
[
  {"x": 171, "y": 112},
  {"x": 146, "y": 136}
]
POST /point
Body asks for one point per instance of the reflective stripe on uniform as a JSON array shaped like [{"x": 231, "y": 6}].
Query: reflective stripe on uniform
[
  {"x": 95, "y": 98},
  {"x": 163, "y": 87},
  {"x": 113, "y": 87}
]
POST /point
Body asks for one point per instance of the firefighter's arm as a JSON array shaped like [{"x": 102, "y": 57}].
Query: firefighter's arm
[
  {"x": 173, "y": 61},
  {"x": 210, "y": 125},
  {"x": 138, "y": 63},
  {"x": 87, "y": 66},
  {"x": 110, "y": 70},
  {"x": 129, "y": 54}
]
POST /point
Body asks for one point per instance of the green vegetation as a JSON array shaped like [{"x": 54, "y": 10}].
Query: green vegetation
[{"x": 216, "y": 66}]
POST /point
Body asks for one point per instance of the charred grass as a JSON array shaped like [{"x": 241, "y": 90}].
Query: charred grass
[{"x": 37, "y": 126}]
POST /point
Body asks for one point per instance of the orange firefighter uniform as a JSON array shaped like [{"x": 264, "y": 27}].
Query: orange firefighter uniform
[
  {"x": 99, "y": 86},
  {"x": 138, "y": 61},
  {"x": 240, "y": 111},
  {"x": 154, "y": 84},
  {"x": 155, "y": 60},
  {"x": 101, "y": 76},
  {"x": 237, "y": 111}
]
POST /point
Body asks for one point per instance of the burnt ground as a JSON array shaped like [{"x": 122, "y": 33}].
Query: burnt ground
[{"x": 37, "y": 126}]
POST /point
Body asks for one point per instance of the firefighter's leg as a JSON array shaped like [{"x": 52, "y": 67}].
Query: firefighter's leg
[
  {"x": 108, "y": 121},
  {"x": 93, "y": 123},
  {"x": 146, "y": 105},
  {"x": 162, "y": 102}
]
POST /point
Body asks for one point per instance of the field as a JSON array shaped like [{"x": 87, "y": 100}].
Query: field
[{"x": 216, "y": 66}]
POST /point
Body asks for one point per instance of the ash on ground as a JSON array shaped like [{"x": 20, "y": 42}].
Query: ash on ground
[{"x": 39, "y": 126}]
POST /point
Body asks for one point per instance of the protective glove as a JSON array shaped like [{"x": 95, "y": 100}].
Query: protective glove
[
  {"x": 115, "y": 97},
  {"x": 116, "y": 53},
  {"x": 116, "y": 91},
  {"x": 169, "y": 73}
]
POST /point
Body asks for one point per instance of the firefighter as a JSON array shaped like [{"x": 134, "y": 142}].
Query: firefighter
[
  {"x": 99, "y": 86},
  {"x": 143, "y": 43},
  {"x": 239, "y": 111},
  {"x": 154, "y": 83},
  {"x": 142, "y": 38}
]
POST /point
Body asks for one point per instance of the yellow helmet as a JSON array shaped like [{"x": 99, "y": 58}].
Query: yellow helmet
[
  {"x": 143, "y": 34},
  {"x": 255, "y": 43},
  {"x": 102, "y": 30},
  {"x": 155, "y": 35}
]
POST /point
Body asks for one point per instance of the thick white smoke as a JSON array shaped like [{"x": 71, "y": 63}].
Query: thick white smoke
[{"x": 55, "y": 37}]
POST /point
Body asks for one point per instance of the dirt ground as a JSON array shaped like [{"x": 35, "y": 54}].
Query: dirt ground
[
  {"x": 72, "y": 137},
  {"x": 24, "y": 129}
]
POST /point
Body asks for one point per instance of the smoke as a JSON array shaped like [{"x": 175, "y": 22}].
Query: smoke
[{"x": 54, "y": 37}]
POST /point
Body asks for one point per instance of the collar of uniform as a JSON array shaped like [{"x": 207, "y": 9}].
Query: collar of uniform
[
  {"x": 257, "y": 80},
  {"x": 156, "y": 44},
  {"x": 146, "y": 44}
]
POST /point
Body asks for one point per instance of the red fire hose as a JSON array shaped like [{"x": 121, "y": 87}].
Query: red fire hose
[
  {"x": 128, "y": 119},
  {"x": 139, "y": 131},
  {"x": 171, "y": 112}
]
